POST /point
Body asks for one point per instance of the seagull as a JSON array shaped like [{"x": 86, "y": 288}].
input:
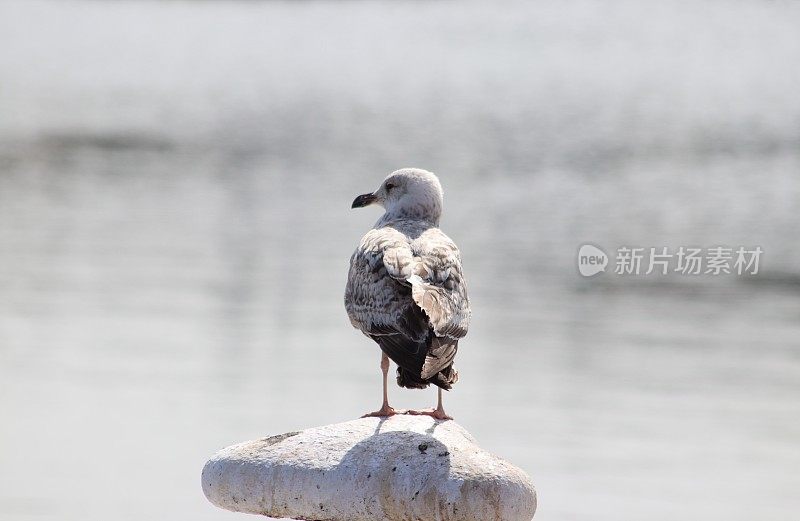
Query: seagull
[{"x": 405, "y": 288}]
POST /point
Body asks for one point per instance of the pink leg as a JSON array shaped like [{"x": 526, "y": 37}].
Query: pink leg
[
  {"x": 437, "y": 413},
  {"x": 385, "y": 409}
]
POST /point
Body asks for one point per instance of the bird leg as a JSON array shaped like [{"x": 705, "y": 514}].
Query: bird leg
[
  {"x": 437, "y": 413},
  {"x": 385, "y": 409}
]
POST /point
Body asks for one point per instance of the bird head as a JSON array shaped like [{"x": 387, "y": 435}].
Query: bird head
[{"x": 410, "y": 193}]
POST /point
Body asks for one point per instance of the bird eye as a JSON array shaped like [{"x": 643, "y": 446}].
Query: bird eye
[{"x": 389, "y": 186}]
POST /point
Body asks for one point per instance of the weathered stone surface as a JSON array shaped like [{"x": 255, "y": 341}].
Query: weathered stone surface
[{"x": 398, "y": 468}]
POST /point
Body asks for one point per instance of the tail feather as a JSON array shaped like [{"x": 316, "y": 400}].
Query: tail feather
[
  {"x": 420, "y": 364},
  {"x": 440, "y": 355},
  {"x": 444, "y": 379}
]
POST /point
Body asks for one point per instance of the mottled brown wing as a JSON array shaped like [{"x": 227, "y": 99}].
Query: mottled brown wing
[
  {"x": 410, "y": 297},
  {"x": 438, "y": 284}
]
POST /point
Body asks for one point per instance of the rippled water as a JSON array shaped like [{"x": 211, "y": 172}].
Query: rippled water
[{"x": 175, "y": 180}]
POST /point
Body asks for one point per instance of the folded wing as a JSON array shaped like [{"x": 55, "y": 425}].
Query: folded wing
[{"x": 410, "y": 297}]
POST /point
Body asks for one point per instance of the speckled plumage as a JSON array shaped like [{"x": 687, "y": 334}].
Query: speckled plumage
[{"x": 405, "y": 287}]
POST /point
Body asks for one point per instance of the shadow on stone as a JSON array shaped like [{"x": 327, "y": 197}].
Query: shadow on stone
[{"x": 393, "y": 461}]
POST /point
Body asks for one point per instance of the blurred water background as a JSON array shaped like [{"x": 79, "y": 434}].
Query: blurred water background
[{"x": 175, "y": 182}]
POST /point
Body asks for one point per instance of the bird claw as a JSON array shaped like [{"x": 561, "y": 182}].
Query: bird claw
[
  {"x": 383, "y": 412},
  {"x": 437, "y": 414}
]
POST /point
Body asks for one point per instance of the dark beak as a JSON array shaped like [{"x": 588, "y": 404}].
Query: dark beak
[{"x": 363, "y": 200}]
